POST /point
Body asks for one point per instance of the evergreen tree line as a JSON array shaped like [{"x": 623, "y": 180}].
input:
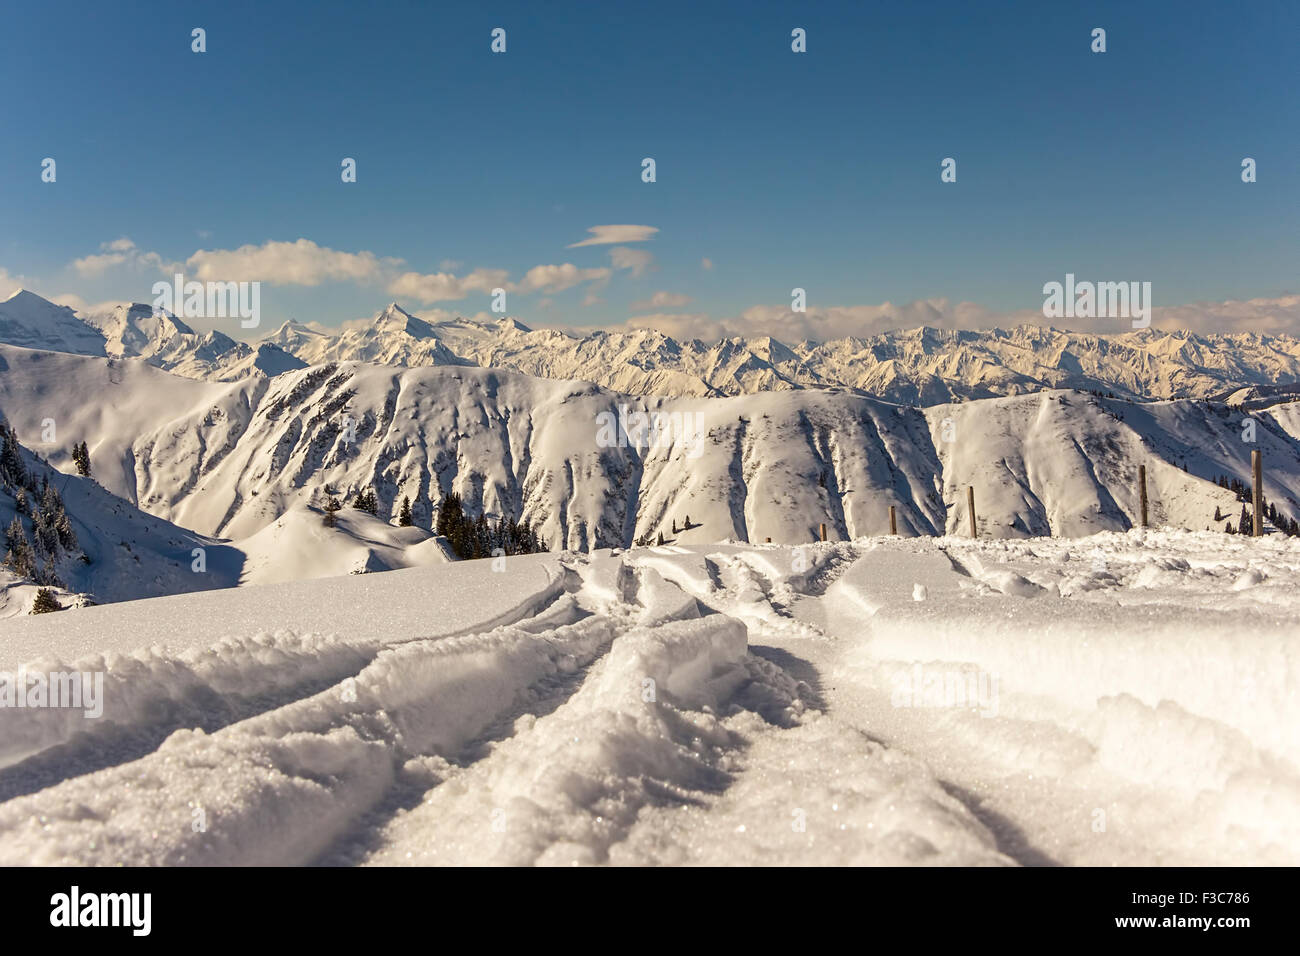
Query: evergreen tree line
[
  {"x": 481, "y": 538},
  {"x": 1235, "y": 485},
  {"x": 1246, "y": 522},
  {"x": 52, "y": 536}
]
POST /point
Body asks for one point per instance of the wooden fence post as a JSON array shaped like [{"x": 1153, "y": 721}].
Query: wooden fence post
[
  {"x": 823, "y": 530},
  {"x": 767, "y": 540},
  {"x": 893, "y": 521},
  {"x": 1257, "y": 466},
  {"x": 970, "y": 509},
  {"x": 1142, "y": 492}
]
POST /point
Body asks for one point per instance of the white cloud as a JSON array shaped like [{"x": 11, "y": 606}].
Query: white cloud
[
  {"x": 9, "y": 284},
  {"x": 78, "y": 304},
  {"x": 289, "y": 263},
  {"x": 1280, "y": 316},
  {"x": 554, "y": 279},
  {"x": 117, "y": 253},
  {"x": 92, "y": 267},
  {"x": 679, "y": 325},
  {"x": 305, "y": 263},
  {"x": 609, "y": 235},
  {"x": 662, "y": 300},
  {"x": 1277, "y": 316},
  {"x": 445, "y": 287},
  {"x": 635, "y": 260}
]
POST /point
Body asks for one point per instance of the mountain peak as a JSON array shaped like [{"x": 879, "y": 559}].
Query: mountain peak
[
  {"x": 396, "y": 319},
  {"x": 26, "y": 297},
  {"x": 33, "y": 321}
]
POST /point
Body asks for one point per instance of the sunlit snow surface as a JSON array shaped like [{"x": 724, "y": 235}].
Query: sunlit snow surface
[{"x": 1119, "y": 699}]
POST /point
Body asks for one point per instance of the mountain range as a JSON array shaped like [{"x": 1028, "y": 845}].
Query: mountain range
[{"x": 922, "y": 366}]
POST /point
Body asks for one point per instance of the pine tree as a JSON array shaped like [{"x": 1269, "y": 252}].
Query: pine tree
[
  {"x": 81, "y": 457},
  {"x": 450, "y": 514},
  {"x": 12, "y": 469},
  {"x": 404, "y": 518},
  {"x": 332, "y": 506},
  {"x": 1241, "y": 523},
  {"x": 63, "y": 528},
  {"x": 19, "y": 557},
  {"x": 45, "y": 602}
]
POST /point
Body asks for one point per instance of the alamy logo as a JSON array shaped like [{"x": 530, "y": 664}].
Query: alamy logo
[
  {"x": 1101, "y": 300},
  {"x": 74, "y": 690},
  {"x": 958, "y": 686},
  {"x": 103, "y": 909},
  {"x": 210, "y": 300},
  {"x": 644, "y": 430}
]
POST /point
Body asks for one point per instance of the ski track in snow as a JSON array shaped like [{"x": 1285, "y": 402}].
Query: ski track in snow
[{"x": 1133, "y": 699}]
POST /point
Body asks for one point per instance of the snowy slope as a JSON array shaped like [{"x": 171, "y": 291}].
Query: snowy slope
[
  {"x": 928, "y": 702},
  {"x": 229, "y": 459},
  {"x": 1066, "y": 463},
  {"x": 298, "y": 545},
  {"x": 122, "y": 553}
]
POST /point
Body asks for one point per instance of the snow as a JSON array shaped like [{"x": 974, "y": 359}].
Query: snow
[
  {"x": 1115, "y": 699},
  {"x": 215, "y": 654},
  {"x": 379, "y": 608},
  {"x": 299, "y": 546}
]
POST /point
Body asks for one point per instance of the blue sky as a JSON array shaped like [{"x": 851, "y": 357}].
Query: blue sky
[{"x": 818, "y": 170}]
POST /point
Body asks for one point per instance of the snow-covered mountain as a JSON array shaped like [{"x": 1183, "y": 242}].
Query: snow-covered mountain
[
  {"x": 922, "y": 366},
  {"x": 230, "y": 459},
  {"x": 162, "y": 340},
  {"x": 28, "y": 320},
  {"x": 394, "y": 337}
]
